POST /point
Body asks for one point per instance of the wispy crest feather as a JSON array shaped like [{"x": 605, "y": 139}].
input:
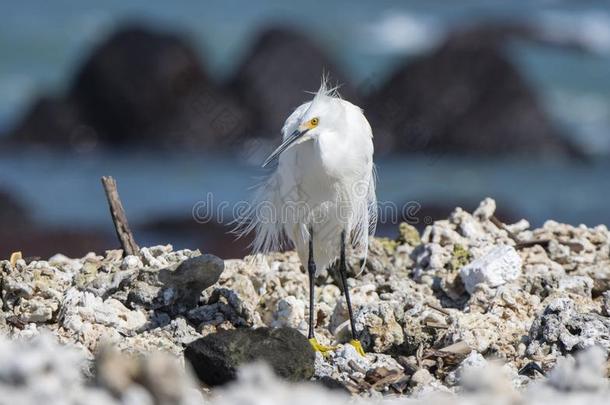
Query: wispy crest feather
[{"x": 325, "y": 88}]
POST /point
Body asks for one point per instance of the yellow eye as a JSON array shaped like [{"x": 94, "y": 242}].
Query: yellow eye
[{"x": 314, "y": 122}]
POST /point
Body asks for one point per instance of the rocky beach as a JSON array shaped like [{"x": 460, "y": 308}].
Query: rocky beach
[{"x": 469, "y": 310}]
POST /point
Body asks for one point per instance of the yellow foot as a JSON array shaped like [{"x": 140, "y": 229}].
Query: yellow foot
[
  {"x": 14, "y": 257},
  {"x": 358, "y": 346},
  {"x": 325, "y": 350}
]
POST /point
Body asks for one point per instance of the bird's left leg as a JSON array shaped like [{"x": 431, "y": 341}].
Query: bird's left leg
[
  {"x": 311, "y": 271},
  {"x": 343, "y": 272}
]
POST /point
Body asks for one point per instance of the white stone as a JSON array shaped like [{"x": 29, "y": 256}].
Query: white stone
[
  {"x": 153, "y": 256},
  {"x": 322, "y": 368},
  {"x": 471, "y": 228},
  {"x": 346, "y": 354},
  {"x": 486, "y": 209},
  {"x": 84, "y": 307},
  {"x": 37, "y": 309},
  {"x": 421, "y": 377},
  {"x": 519, "y": 226},
  {"x": 65, "y": 263},
  {"x": 581, "y": 285},
  {"x": 131, "y": 262},
  {"x": 498, "y": 266},
  {"x": 290, "y": 312}
]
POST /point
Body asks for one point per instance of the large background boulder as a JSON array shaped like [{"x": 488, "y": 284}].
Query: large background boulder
[
  {"x": 465, "y": 97},
  {"x": 146, "y": 86},
  {"x": 274, "y": 77}
]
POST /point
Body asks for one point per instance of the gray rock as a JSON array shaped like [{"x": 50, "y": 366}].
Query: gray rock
[
  {"x": 217, "y": 356},
  {"x": 565, "y": 327},
  {"x": 106, "y": 283},
  {"x": 175, "y": 291},
  {"x": 225, "y": 305},
  {"x": 421, "y": 377},
  {"x": 580, "y": 285},
  {"x": 192, "y": 277},
  {"x": 378, "y": 328}
]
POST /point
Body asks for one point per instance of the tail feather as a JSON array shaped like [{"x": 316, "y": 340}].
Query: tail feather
[
  {"x": 260, "y": 217},
  {"x": 365, "y": 222}
]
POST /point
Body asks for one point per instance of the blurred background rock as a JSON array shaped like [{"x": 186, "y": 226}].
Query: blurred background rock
[{"x": 502, "y": 99}]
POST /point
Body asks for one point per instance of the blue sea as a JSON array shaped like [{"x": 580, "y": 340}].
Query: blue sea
[{"x": 42, "y": 44}]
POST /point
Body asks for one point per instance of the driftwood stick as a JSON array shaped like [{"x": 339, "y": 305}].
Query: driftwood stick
[
  {"x": 494, "y": 220},
  {"x": 119, "y": 218},
  {"x": 529, "y": 243},
  {"x": 518, "y": 243},
  {"x": 438, "y": 308}
]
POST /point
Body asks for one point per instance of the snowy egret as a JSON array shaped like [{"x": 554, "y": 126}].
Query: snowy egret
[{"x": 321, "y": 195}]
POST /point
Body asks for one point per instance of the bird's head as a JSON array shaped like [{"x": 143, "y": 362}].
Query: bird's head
[{"x": 323, "y": 114}]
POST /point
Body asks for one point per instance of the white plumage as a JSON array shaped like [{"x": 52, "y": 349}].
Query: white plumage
[{"x": 324, "y": 181}]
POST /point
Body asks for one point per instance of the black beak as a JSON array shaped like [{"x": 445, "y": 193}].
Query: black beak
[{"x": 296, "y": 135}]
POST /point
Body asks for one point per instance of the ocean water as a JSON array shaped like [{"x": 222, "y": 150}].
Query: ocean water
[
  {"x": 64, "y": 190},
  {"x": 42, "y": 43}
]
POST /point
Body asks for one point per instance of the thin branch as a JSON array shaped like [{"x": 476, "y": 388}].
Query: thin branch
[
  {"x": 438, "y": 308},
  {"x": 518, "y": 242},
  {"x": 494, "y": 220},
  {"x": 119, "y": 218}
]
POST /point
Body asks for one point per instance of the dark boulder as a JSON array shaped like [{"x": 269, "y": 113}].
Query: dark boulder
[
  {"x": 465, "y": 97},
  {"x": 192, "y": 277},
  {"x": 147, "y": 86},
  {"x": 176, "y": 290},
  {"x": 216, "y": 357},
  {"x": 274, "y": 77},
  {"x": 139, "y": 87}
]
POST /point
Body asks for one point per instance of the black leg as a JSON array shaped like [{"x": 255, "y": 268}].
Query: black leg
[
  {"x": 311, "y": 270},
  {"x": 343, "y": 273}
]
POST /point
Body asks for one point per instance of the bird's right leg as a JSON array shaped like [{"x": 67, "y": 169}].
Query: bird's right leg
[
  {"x": 311, "y": 271},
  {"x": 343, "y": 272}
]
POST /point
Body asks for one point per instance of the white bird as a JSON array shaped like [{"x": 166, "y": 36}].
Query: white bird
[{"x": 321, "y": 196}]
